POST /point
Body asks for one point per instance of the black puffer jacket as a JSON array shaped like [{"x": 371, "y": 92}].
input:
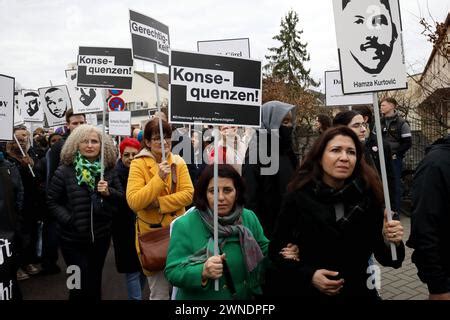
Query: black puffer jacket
[
  {"x": 308, "y": 219},
  {"x": 82, "y": 215}
]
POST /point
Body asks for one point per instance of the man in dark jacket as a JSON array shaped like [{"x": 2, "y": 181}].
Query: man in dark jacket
[
  {"x": 430, "y": 220},
  {"x": 397, "y": 133}
]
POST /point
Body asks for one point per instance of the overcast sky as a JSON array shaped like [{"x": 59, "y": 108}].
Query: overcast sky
[{"x": 39, "y": 38}]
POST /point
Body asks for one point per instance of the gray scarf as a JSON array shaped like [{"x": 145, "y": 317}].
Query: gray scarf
[{"x": 229, "y": 225}]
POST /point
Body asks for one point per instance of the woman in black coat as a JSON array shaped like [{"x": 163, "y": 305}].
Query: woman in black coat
[
  {"x": 125, "y": 254},
  {"x": 334, "y": 213},
  {"x": 84, "y": 205}
]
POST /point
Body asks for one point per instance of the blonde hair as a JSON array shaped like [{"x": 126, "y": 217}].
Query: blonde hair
[{"x": 71, "y": 146}]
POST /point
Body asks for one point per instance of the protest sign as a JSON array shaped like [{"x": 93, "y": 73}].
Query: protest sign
[
  {"x": 110, "y": 68},
  {"x": 213, "y": 89},
  {"x": 334, "y": 95},
  {"x": 6, "y": 107},
  {"x": 150, "y": 39},
  {"x": 91, "y": 118},
  {"x": 239, "y": 48},
  {"x": 120, "y": 123},
  {"x": 18, "y": 120},
  {"x": 55, "y": 101},
  {"x": 370, "y": 45},
  {"x": 84, "y": 100},
  {"x": 30, "y": 106}
]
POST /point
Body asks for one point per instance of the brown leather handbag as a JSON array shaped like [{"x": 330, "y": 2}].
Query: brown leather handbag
[{"x": 154, "y": 245}]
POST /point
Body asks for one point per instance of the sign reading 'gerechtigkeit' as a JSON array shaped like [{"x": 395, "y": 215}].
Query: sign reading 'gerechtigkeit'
[{"x": 150, "y": 39}]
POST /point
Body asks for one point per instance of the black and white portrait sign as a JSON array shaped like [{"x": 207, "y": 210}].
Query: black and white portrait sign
[
  {"x": 370, "y": 45},
  {"x": 84, "y": 100},
  {"x": 6, "y": 107},
  {"x": 30, "y": 106},
  {"x": 56, "y": 102},
  {"x": 18, "y": 120},
  {"x": 334, "y": 95},
  {"x": 110, "y": 68},
  {"x": 150, "y": 39},
  {"x": 214, "y": 89}
]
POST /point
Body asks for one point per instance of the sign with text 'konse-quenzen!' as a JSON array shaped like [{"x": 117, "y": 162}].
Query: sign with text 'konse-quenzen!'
[
  {"x": 213, "y": 89},
  {"x": 110, "y": 68}
]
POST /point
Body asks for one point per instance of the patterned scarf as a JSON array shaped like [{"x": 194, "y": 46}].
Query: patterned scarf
[
  {"x": 86, "y": 171},
  {"x": 229, "y": 225}
]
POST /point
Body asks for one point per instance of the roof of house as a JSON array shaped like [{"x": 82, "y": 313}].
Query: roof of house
[{"x": 163, "y": 78}]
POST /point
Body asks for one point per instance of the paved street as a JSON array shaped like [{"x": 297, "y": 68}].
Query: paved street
[{"x": 403, "y": 283}]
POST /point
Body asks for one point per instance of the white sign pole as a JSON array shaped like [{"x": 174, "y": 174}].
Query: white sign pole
[
  {"x": 23, "y": 154},
  {"x": 102, "y": 154},
  {"x": 216, "y": 136},
  {"x": 387, "y": 202},
  {"x": 161, "y": 132}
]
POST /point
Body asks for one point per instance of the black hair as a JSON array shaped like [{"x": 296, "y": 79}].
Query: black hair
[
  {"x": 224, "y": 171},
  {"x": 344, "y": 117}
]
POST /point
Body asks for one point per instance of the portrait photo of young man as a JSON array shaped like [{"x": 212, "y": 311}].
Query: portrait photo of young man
[
  {"x": 56, "y": 102},
  {"x": 370, "y": 46}
]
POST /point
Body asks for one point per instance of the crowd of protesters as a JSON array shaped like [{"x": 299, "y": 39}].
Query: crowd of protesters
[{"x": 287, "y": 227}]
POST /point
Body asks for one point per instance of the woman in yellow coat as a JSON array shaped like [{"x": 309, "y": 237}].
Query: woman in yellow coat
[{"x": 149, "y": 193}]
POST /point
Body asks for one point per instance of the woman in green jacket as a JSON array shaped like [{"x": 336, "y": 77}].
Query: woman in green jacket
[{"x": 191, "y": 265}]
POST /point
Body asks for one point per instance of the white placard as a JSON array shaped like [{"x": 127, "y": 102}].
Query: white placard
[
  {"x": 56, "y": 102},
  {"x": 84, "y": 100},
  {"x": 228, "y": 47},
  {"x": 120, "y": 123},
  {"x": 334, "y": 95},
  {"x": 30, "y": 106},
  {"x": 370, "y": 45},
  {"x": 91, "y": 118},
  {"x": 18, "y": 120},
  {"x": 6, "y": 107}
]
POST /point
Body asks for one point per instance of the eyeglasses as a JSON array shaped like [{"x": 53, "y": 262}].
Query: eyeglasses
[
  {"x": 360, "y": 125},
  {"x": 87, "y": 141},
  {"x": 158, "y": 138}
]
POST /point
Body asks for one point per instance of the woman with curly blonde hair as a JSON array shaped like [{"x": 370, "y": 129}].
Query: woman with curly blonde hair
[{"x": 83, "y": 205}]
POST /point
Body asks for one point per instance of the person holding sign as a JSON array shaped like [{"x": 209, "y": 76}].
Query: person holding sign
[
  {"x": 84, "y": 205},
  {"x": 334, "y": 214},
  {"x": 158, "y": 191},
  {"x": 191, "y": 264}
]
